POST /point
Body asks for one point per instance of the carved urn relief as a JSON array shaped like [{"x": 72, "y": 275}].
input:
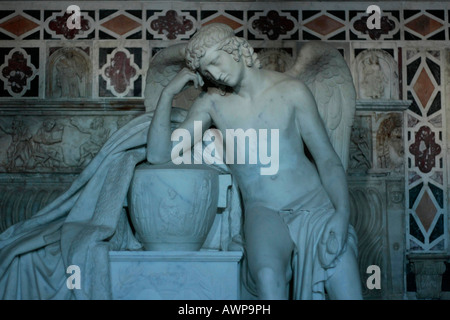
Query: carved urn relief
[{"x": 172, "y": 207}]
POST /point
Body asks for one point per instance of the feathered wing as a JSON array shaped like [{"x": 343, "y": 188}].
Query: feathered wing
[
  {"x": 163, "y": 67},
  {"x": 323, "y": 69}
]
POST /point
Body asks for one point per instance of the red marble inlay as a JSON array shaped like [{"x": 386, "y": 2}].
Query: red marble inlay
[
  {"x": 324, "y": 25},
  {"x": 121, "y": 24},
  {"x": 424, "y": 87},
  {"x": 273, "y": 25},
  {"x": 59, "y": 26},
  {"x": 426, "y": 211},
  {"x": 120, "y": 72},
  {"x": 18, "y": 25},
  {"x": 424, "y": 25},
  {"x": 171, "y": 25},
  {"x": 17, "y": 72},
  {"x": 425, "y": 149}
]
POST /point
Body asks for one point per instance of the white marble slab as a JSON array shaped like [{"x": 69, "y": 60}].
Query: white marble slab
[{"x": 175, "y": 275}]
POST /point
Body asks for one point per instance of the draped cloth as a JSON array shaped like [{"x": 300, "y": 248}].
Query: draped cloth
[
  {"x": 87, "y": 221},
  {"x": 81, "y": 226},
  {"x": 306, "y": 223}
]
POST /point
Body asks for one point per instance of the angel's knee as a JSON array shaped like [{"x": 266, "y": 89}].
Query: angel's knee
[{"x": 272, "y": 283}]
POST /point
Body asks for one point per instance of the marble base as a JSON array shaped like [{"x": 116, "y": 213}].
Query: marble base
[{"x": 175, "y": 275}]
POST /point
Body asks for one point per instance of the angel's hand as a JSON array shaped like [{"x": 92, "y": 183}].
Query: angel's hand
[
  {"x": 181, "y": 80},
  {"x": 333, "y": 240}
]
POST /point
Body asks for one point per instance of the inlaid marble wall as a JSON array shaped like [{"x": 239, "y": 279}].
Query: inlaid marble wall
[{"x": 64, "y": 91}]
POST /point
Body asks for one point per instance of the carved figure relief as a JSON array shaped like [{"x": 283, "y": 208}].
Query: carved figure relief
[
  {"x": 56, "y": 144},
  {"x": 30, "y": 151},
  {"x": 20, "y": 148},
  {"x": 360, "y": 146},
  {"x": 98, "y": 135},
  {"x": 204, "y": 202},
  {"x": 47, "y": 151},
  {"x": 390, "y": 153},
  {"x": 374, "y": 79},
  {"x": 172, "y": 216},
  {"x": 396, "y": 195},
  {"x": 69, "y": 74},
  {"x": 376, "y": 75},
  {"x": 123, "y": 120}
]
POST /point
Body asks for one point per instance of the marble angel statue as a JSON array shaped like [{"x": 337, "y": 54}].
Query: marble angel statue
[
  {"x": 292, "y": 225},
  {"x": 296, "y": 221}
]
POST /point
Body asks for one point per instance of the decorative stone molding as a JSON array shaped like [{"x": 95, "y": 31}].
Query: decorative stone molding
[
  {"x": 377, "y": 193},
  {"x": 428, "y": 269},
  {"x": 22, "y": 195}
]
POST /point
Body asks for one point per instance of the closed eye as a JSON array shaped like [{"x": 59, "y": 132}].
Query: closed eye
[
  {"x": 215, "y": 61},
  {"x": 208, "y": 75}
]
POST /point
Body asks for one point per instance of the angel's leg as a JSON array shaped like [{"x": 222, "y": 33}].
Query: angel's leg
[
  {"x": 345, "y": 283},
  {"x": 269, "y": 248}
]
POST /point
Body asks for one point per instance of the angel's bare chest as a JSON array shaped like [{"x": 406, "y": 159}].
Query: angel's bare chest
[{"x": 265, "y": 112}]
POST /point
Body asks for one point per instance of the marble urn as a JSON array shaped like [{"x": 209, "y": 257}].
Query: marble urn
[{"x": 173, "y": 207}]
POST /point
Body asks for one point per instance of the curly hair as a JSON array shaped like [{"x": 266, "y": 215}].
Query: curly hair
[{"x": 218, "y": 33}]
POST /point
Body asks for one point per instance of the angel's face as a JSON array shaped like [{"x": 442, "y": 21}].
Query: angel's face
[{"x": 220, "y": 67}]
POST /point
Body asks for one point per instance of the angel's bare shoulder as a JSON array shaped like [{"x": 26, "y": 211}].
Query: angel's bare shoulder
[
  {"x": 202, "y": 104},
  {"x": 296, "y": 91},
  {"x": 282, "y": 82}
]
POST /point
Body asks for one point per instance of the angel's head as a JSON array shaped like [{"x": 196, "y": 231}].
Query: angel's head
[{"x": 212, "y": 46}]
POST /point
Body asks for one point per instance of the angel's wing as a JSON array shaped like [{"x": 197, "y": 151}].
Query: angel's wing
[
  {"x": 325, "y": 72},
  {"x": 163, "y": 67}
]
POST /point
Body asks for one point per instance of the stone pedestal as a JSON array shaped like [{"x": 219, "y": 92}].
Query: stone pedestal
[
  {"x": 428, "y": 269},
  {"x": 187, "y": 275}
]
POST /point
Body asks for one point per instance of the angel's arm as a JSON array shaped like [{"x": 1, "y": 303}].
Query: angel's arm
[
  {"x": 159, "y": 144},
  {"x": 328, "y": 163},
  {"x": 331, "y": 173}
]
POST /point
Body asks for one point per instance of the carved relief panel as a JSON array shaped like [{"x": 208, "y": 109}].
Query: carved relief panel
[
  {"x": 53, "y": 143},
  {"x": 69, "y": 73},
  {"x": 389, "y": 142},
  {"x": 376, "y": 75}
]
